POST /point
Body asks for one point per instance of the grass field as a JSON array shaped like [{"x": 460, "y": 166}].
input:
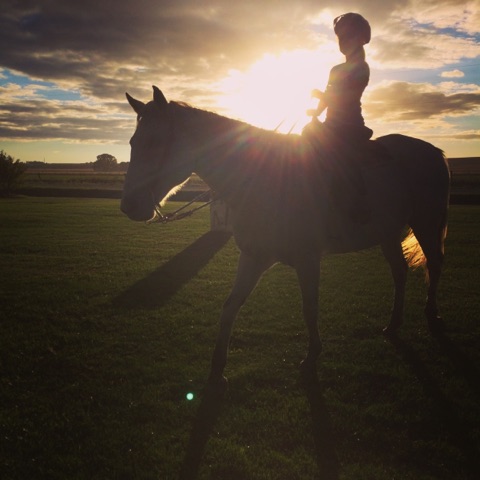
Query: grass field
[{"x": 106, "y": 325}]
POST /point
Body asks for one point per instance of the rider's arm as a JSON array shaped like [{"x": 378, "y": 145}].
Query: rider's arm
[{"x": 322, "y": 105}]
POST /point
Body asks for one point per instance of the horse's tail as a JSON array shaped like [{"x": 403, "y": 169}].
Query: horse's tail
[{"x": 412, "y": 251}]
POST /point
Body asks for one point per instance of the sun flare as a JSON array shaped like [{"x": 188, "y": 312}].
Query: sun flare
[{"x": 275, "y": 91}]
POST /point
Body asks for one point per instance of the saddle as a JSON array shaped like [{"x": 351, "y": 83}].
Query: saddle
[{"x": 345, "y": 156}]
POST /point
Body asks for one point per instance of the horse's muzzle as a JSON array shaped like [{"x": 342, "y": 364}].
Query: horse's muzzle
[{"x": 137, "y": 209}]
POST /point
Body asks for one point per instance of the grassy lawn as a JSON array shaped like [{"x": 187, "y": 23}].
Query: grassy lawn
[{"x": 106, "y": 325}]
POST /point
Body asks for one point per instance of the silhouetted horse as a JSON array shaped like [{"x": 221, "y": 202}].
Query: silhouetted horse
[{"x": 280, "y": 199}]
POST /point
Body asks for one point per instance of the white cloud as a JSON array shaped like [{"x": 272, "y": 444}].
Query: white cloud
[
  {"x": 461, "y": 15},
  {"x": 452, "y": 74}
]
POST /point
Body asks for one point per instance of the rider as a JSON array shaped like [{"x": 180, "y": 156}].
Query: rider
[{"x": 344, "y": 132}]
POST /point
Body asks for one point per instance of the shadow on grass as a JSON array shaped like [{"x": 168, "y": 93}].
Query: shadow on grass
[
  {"x": 327, "y": 459},
  {"x": 445, "y": 411},
  {"x": 462, "y": 363},
  {"x": 207, "y": 415},
  {"x": 157, "y": 288},
  {"x": 210, "y": 409}
]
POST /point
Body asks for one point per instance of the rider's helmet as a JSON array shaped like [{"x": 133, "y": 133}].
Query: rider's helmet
[{"x": 352, "y": 25}]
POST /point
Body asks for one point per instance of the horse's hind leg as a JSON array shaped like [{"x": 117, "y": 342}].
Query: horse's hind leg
[
  {"x": 431, "y": 241},
  {"x": 435, "y": 322},
  {"x": 393, "y": 253},
  {"x": 248, "y": 273}
]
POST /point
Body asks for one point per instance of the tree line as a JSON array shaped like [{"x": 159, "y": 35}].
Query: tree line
[{"x": 12, "y": 170}]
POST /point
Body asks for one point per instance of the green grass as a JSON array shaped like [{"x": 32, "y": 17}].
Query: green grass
[{"x": 107, "y": 324}]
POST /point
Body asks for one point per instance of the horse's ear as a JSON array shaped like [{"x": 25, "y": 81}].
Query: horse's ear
[
  {"x": 159, "y": 97},
  {"x": 137, "y": 105}
]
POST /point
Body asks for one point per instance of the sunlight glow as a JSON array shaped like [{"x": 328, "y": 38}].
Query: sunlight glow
[{"x": 276, "y": 89}]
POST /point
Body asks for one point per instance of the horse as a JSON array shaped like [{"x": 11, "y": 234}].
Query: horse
[{"x": 278, "y": 191}]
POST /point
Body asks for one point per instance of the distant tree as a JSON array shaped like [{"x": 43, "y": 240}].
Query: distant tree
[
  {"x": 123, "y": 166},
  {"x": 35, "y": 163},
  {"x": 105, "y": 163},
  {"x": 11, "y": 171}
]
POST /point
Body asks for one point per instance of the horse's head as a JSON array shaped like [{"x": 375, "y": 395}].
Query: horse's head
[{"x": 152, "y": 173}]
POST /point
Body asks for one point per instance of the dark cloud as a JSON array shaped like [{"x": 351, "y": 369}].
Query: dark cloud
[
  {"x": 406, "y": 101},
  {"x": 53, "y": 120},
  {"x": 467, "y": 136},
  {"x": 91, "y": 41}
]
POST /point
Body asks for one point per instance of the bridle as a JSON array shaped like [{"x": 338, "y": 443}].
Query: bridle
[{"x": 177, "y": 214}]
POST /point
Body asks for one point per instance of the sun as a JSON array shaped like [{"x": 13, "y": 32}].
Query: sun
[{"x": 275, "y": 90}]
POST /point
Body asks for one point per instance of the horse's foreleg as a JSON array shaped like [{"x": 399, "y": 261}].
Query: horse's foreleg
[
  {"x": 308, "y": 273},
  {"x": 398, "y": 265},
  {"x": 248, "y": 273}
]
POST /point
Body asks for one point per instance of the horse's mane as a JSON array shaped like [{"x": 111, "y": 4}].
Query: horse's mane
[{"x": 229, "y": 123}]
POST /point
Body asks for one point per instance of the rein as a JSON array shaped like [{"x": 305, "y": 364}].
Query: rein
[{"x": 176, "y": 215}]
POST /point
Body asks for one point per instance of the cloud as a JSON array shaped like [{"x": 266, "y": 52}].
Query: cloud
[
  {"x": 100, "y": 44},
  {"x": 25, "y": 114},
  {"x": 452, "y": 74},
  {"x": 99, "y": 49},
  {"x": 460, "y": 15},
  {"x": 421, "y": 47},
  {"x": 407, "y": 101},
  {"x": 103, "y": 46},
  {"x": 467, "y": 136}
]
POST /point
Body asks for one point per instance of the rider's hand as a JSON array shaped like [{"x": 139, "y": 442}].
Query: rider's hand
[{"x": 312, "y": 112}]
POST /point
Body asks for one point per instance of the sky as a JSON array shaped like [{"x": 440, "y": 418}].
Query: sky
[{"x": 65, "y": 67}]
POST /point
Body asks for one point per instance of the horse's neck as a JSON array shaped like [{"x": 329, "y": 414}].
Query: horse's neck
[
  {"x": 237, "y": 160},
  {"x": 221, "y": 146}
]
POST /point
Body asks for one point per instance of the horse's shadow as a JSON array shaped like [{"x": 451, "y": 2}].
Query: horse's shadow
[
  {"x": 445, "y": 411},
  {"x": 464, "y": 365},
  {"x": 157, "y": 288},
  {"x": 322, "y": 427},
  {"x": 209, "y": 411},
  {"x": 207, "y": 415}
]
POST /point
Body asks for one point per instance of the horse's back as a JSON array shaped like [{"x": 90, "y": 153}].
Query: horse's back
[
  {"x": 424, "y": 165},
  {"x": 417, "y": 155}
]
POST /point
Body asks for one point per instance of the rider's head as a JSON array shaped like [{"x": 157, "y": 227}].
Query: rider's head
[{"x": 353, "y": 32}]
